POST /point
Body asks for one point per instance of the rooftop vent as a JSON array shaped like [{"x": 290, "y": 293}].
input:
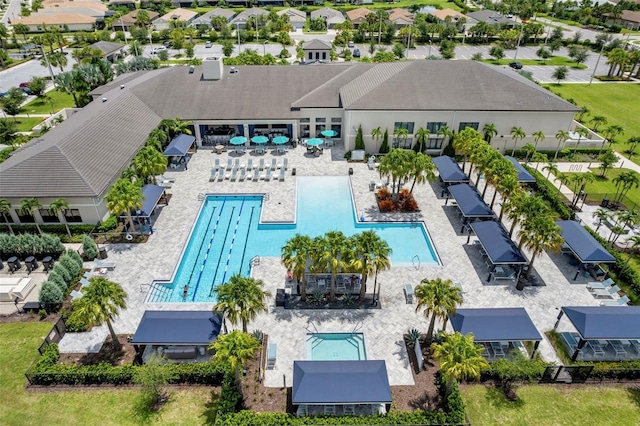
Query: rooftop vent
[
  {"x": 121, "y": 86},
  {"x": 104, "y": 99}
]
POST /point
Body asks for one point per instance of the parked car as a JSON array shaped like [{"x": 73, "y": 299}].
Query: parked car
[
  {"x": 356, "y": 53},
  {"x": 24, "y": 84},
  {"x": 351, "y": 44},
  {"x": 168, "y": 44},
  {"x": 515, "y": 65},
  {"x": 207, "y": 45},
  {"x": 158, "y": 49}
]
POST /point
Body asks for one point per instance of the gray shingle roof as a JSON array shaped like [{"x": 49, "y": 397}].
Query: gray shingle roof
[
  {"x": 316, "y": 44},
  {"x": 327, "y": 95},
  {"x": 370, "y": 80},
  {"x": 107, "y": 47}
]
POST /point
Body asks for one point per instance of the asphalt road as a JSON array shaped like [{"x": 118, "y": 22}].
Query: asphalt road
[{"x": 23, "y": 72}]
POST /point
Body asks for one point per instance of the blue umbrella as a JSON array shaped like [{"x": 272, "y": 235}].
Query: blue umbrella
[
  {"x": 329, "y": 133},
  {"x": 238, "y": 140},
  {"x": 259, "y": 139},
  {"x": 279, "y": 140},
  {"x": 315, "y": 142}
]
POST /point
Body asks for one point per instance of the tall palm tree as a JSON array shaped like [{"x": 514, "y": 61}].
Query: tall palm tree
[
  {"x": 66, "y": 82},
  {"x": 395, "y": 165},
  {"x": 376, "y": 133},
  {"x": 101, "y": 301},
  {"x": 28, "y": 206},
  {"x": 61, "y": 206},
  {"x": 527, "y": 206},
  {"x": 465, "y": 142},
  {"x": 421, "y": 169},
  {"x": 597, "y": 121},
  {"x": 538, "y": 137},
  {"x": 539, "y": 233},
  {"x": 333, "y": 254},
  {"x": 401, "y": 134},
  {"x": 610, "y": 134},
  {"x": 551, "y": 167},
  {"x": 516, "y": 134},
  {"x": 512, "y": 203},
  {"x": 176, "y": 126},
  {"x": 296, "y": 253},
  {"x": 422, "y": 135},
  {"x": 148, "y": 163},
  {"x": 437, "y": 299},
  {"x": 489, "y": 131},
  {"x": 528, "y": 149},
  {"x": 5, "y": 210},
  {"x": 562, "y": 136},
  {"x": 602, "y": 215},
  {"x": 505, "y": 186},
  {"x": 624, "y": 182},
  {"x": 124, "y": 197},
  {"x": 371, "y": 256},
  {"x": 241, "y": 299},
  {"x": 582, "y": 132},
  {"x": 459, "y": 358},
  {"x": 234, "y": 349}
]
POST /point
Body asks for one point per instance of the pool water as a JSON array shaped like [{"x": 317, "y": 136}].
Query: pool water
[
  {"x": 336, "y": 347},
  {"x": 227, "y": 235}
]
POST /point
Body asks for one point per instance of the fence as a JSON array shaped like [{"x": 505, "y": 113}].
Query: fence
[{"x": 54, "y": 336}]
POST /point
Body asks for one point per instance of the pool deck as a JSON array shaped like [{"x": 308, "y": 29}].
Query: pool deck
[{"x": 139, "y": 265}]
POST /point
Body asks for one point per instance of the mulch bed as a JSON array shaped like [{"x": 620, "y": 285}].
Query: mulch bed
[
  {"x": 294, "y": 302},
  {"x": 109, "y": 353},
  {"x": 405, "y": 203}
]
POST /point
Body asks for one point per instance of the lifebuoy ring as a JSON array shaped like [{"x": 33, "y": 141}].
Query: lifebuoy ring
[{"x": 129, "y": 237}]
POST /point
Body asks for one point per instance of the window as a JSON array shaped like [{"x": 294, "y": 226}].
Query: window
[
  {"x": 403, "y": 143},
  {"x": 338, "y": 129},
  {"x": 310, "y": 56},
  {"x": 305, "y": 120},
  {"x": 336, "y": 119},
  {"x": 73, "y": 216},
  {"x": 404, "y": 125},
  {"x": 304, "y": 130},
  {"x": 25, "y": 218},
  {"x": 48, "y": 216},
  {"x": 434, "y": 143},
  {"x": 434, "y": 127},
  {"x": 463, "y": 125},
  {"x": 324, "y": 55},
  {"x": 320, "y": 128},
  {"x": 321, "y": 120},
  {"x": 6, "y": 218}
]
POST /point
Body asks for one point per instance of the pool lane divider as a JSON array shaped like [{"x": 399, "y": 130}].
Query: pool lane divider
[
  {"x": 244, "y": 251},
  {"x": 233, "y": 239},
  {"x": 226, "y": 236}
]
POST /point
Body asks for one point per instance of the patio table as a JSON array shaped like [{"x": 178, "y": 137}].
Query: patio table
[{"x": 219, "y": 149}]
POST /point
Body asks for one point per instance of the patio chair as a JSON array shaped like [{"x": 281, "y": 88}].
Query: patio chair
[
  {"x": 618, "y": 302},
  {"x": 234, "y": 174},
  {"x": 596, "y": 348},
  {"x": 605, "y": 293},
  {"x": 256, "y": 174},
  {"x": 302, "y": 410},
  {"x": 236, "y": 163},
  {"x": 261, "y": 164},
  {"x": 274, "y": 163},
  {"x": 229, "y": 163},
  {"x": 243, "y": 174},
  {"x": 107, "y": 265},
  {"x": 408, "y": 293},
  {"x": 249, "y": 164},
  {"x": 216, "y": 164},
  {"x": 285, "y": 163},
  {"x": 267, "y": 174},
  {"x": 165, "y": 179},
  {"x": 84, "y": 282},
  {"x": 348, "y": 410},
  {"x": 76, "y": 295},
  {"x": 597, "y": 284},
  {"x": 329, "y": 409},
  {"x": 282, "y": 174},
  {"x": 272, "y": 355},
  {"x": 497, "y": 349},
  {"x": 214, "y": 174},
  {"x": 221, "y": 174},
  {"x": 341, "y": 287}
]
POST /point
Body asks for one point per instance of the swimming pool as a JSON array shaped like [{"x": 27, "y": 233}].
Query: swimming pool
[
  {"x": 336, "y": 347},
  {"x": 228, "y": 234}
]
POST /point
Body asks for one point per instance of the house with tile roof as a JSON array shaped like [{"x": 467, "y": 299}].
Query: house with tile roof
[
  {"x": 450, "y": 15},
  {"x": 401, "y": 17},
  {"x": 297, "y": 18},
  {"x": 206, "y": 18},
  {"x": 358, "y": 16},
  {"x": 125, "y": 22},
  {"x": 176, "y": 15},
  {"x": 628, "y": 19},
  {"x": 82, "y": 157},
  {"x": 331, "y": 16},
  {"x": 65, "y": 15},
  {"x": 241, "y": 18}
]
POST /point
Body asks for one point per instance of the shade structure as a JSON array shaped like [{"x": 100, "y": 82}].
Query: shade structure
[
  {"x": 605, "y": 322},
  {"x": 238, "y": 140},
  {"x": 329, "y": 133},
  {"x": 279, "y": 140},
  {"x": 180, "y": 145},
  {"x": 585, "y": 247},
  {"x": 523, "y": 175},
  {"x": 340, "y": 382},
  {"x": 497, "y": 243},
  {"x": 151, "y": 194},
  {"x": 495, "y": 324},
  {"x": 260, "y": 139},
  {"x": 177, "y": 328},
  {"x": 470, "y": 202},
  {"x": 449, "y": 170},
  {"x": 314, "y": 141}
]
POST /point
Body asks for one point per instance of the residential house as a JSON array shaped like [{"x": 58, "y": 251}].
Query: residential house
[
  {"x": 316, "y": 51},
  {"x": 176, "y": 15},
  {"x": 401, "y": 17},
  {"x": 206, "y": 18},
  {"x": 451, "y": 16},
  {"x": 241, "y": 18},
  {"x": 297, "y": 18},
  {"x": 125, "y": 22},
  {"x": 131, "y": 4},
  {"x": 491, "y": 17},
  {"x": 331, "y": 16},
  {"x": 628, "y": 19},
  {"x": 110, "y": 51},
  {"x": 357, "y": 16},
  {"x": 66, "y": 15}
]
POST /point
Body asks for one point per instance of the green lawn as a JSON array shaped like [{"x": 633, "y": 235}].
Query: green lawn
[
  {"x": 617, "y": 102},
  {"x": 59, "y": 100},
  {"x": 18, "y": 348},
  {"x": 550, "y": 405},
  {"x": 25, "y": 124},
  {"x": 602, "y": 186},
  {"x": 554, "y": 61}
]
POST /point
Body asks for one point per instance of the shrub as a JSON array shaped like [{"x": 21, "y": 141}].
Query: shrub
[
  {"x": 410, "y": 205},
  {"x": 89, "y": 247},
  {"x": 230, "y": 397},
  {"x": 50, "y": 296},
  {"x": 56, "y": 278},
  {"x": 386, "y": 205},
  {"x": 359, "y": 138},
  {"x": 383, "y": 194},
  {"x": 24, "y": 245},
  {"x": 71, "y": 265},
  {"x": 75, "y": 256},
  {"x": 75, "y": 324},
  {"x": 384, "y": 148},
  {"x": 63, "y": 272},
  {"x": 550, "y": 193}
]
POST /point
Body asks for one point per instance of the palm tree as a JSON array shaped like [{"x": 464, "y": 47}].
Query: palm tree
[
  {"x": 624, "y": 182},
  {"x": 422, "y": 169},
  {"x": 562, "y": 136},
  {"x": 148, "y": 163},
  {"x": 241, "y": 299},
  {"x": 551, "y": 167},
  {"x": 527, "y": 206},
  {"x": 28, "y": 206},
  {"x": 582, "y": 132},
  {"x": 422, "y": 135},
  {"x": 395, "y": 165},
  {"x": 100, "y": 303},
  {"x": 528, "y": 149},
  {"x": 512, "y": 203},
  {"x": 66, "y": 82},
  {"x": 465, "y": 143},
  {"x": 489, "y": 131},
  {"x": 295, "y": 255},
  {"x": 538, "y": 137},
  {"x": 376, "y": 133},
  {"x": 401, "y": 134},
  {"x": 597, "y": 121},
  {"x": 124, "y": 197},
  {"x": 333, "y": 254},
  {"x": 516, "y": 134},
  {"x": 539, "y": 233},
  {"x": 5, "y": 209},
  {"x": 505, "y": 186},
  {"x": 177, "y": 126},
  {"x": 371, "y": 255},
  {"x": 234, "y": 349},
  {"x": 61, "y": 206},
  {"x": 437, "y": 298},
  {"x": 459, "y": 358},
  {"x": 602, "y": 215},
  {"x": 611, "y": 133}
]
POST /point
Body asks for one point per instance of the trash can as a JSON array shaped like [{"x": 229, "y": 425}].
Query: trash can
[
  {"x": 294, "y": 143},
  {"x": 103, "y": 253},
  {"x": 372, "y": 186},
  {"x": 293, "y": 172},
  {"x": 350, "y": 171},
  {"x": 605, "y": 202}
]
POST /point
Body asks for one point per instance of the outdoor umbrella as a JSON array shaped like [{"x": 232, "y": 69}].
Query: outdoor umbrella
[
  {"x": 315, "y": 142},
  {"x": 238, "y": 140},
  {"x": 279, "y": 140},
  {"x": 329, "y": 133},
  {"x": 259, "y": 139}
]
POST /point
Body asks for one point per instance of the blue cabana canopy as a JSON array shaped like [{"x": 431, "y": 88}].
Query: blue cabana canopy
[
  {"x": 177, "y": 328},
  {"x": 179, "y": 145},
  {"x": 523, "y": 174},
  {"x": 497, "y": 243},
  {"x": 340, "y": 382},
  {"x": 605, "y": 322},
  {"x": 469, "y": 201},
  {"x": 586, "y": 248},
  {"x": 151, "y": 194},
  {"x": 449, "y": 170},
  {"x": 495, "y": 324}
]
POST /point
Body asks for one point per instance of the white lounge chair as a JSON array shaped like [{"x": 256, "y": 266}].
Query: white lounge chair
[
  {"x": 100, "y": 264},
  {"x": 272, "y": 356},
  {"x": 166, "y": 178},
  {"x": 285, "y": 163},
  {"x": 267, "y": 174},
  {"x": 84, "y": 282},
  {"x": 243, "y": 174},
  {"x": 348, "y": 410},
  {"x": 329, "y": 409},
  {"x": 236, "y": 163},
  {"x": 597, "y": 284},
  {"x": 606, "y": 293},
  {"x": 261, "y": 165},
  {"x": 256, "y": 174},
  {"x": 250, "y": 164},
  {"x": 221, "y": 174},
  {"x": 76, "y": 295},
  {"x": 282, "y": 174},
  {"x": 214, "y": 174},
  {"x": 234, "y": 174},
  {"x": 618, "y": 302},
  {"x": 408, "y": 290},
  {"x": 216, "y": 164},
  {"x": 302, "y": 410},
  {"x": 274, "y": 163},
  {"x": 229, "y": 163}
]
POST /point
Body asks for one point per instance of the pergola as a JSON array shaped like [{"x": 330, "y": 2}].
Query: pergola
[
  {"x": 585, "y": 248},
  {"x": 523, "y": 175},
  {"x": 449, "y": 172},
  {"x": 470, "y": 203},
  {"x": 498, "y": 246},
  {"x": 179, "y": 147}
]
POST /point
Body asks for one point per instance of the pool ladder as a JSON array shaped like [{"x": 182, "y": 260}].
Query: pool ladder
[
  {"x": 357, "y": 327},
  {"x": 255, "y": 260},
  {"x": 201, "y": 196},
  {"x": 413, "y": 260},
  {"x": 309, "y": 325},
  {"x": 266, "y": 196}
]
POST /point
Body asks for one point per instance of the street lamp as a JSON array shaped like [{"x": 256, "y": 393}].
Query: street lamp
[
  {"x": 519, "y": 38},
  {"x": 238, "y": 32},
  {"x": 48, "y": 64},
  {"x": 597, "y": 62},
  {"x": 264, "y": 47}
]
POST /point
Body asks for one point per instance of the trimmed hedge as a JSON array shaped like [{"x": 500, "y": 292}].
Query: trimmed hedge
[
  {"x": 563, "y": 153},
  {"x": 550, "y": 193},
  {"x": 25, "y": 245},
  {"x": 89, "y": 247},
  {"x": 47, "y": 372},
  {"x": 58, "y": 230}
]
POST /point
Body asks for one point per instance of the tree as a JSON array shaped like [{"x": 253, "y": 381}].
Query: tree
[
  {"x": 66, "y": 82},
  {"x": 582, "y": 132},
  {"x": 241, "y": 299},
  {"x": 148, "y": 163},
  {"x": 437, "y": 299},
  {"x": 8, "y": 130},
  {"x": 89, "y": 247},
  {"x": 332, "y": 254},
  {"x": 528, "y": 149},
  {"x": 560, "y": 73},
  {"x": 234, "y": 349},
  {"x": 395, "y": 165},
  {"x": 422, "y": 135},
  {"x": 124, "y": 197},
  {"x": 633, "y": 144},
  {"x": 516, "y": 134},
  {"x": 37, "y": 85},
  {"x": 376, "y": 133},
  {"x": 597, "y": 121},
  {"x": 12, "y": 101},
  {"x": 551, "y": 167},
  {"x": 616, "y": 58},
  {"x": 489, "y": 131},
  {"x": 624, "y": 182},
  {"x": 607, "y": 160},
  {"x": 496, "y": 52},
  {"x": 50, "y": 296},
  {"x": 27, "y": 208},
  {"x": 602, "y": 215},
  {"x": 421, "y": 169},
  {"x": 227, "y": 48},
  {"x": 359, "y": 138},
  {"x": 538, "y": 233},
  {"x": 21, "y": 29},
  {"x": 5, "y": 211},
  {"x": 538, "y": 137},
  {"x": 295, "y": 254},
  {"x": 101, "y": 302},
  {"x": 578, "y": 54},
  {"x": 543, "y": 53},
  {"x": 61, "y": 206},
  {"x": 56, "y": 60},
  {"x": 153, "y": 376},
  {"x": 384, "y": 148},
  {"x": 562, "y": 136},
  {"x": 371, "y": 256},
  {"x": 611, "y": 132},
  {"x": 459, "y": 358}
]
